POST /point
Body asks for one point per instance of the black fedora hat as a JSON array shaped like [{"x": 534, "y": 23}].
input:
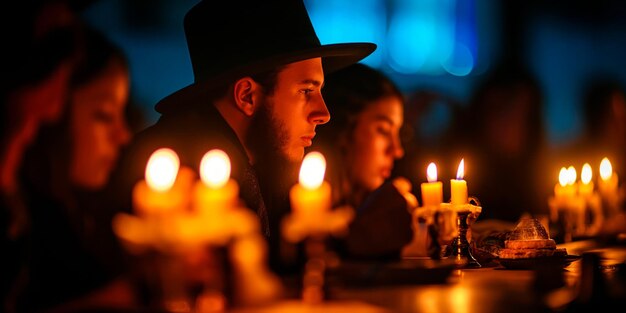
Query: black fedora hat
[{"x": 231, "y": 39}]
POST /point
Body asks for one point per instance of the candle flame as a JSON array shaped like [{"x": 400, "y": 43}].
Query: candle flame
[
  {"x": 312, "y": 170},
  {"x": 162, "y": 169},
  {"x": 563, "y": 177},
  {"x": 585, "y": 173},
  {"x": 571, "y": 175},
  {"x": 461, "y": 171},
  {"x": 431, "y": 172},
  {"x": 606, "y": 170},
  {"x": 215, "y": 168}
]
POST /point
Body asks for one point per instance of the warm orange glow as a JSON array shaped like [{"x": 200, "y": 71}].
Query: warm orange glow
[
  {"x": 215, "y": 168},
  {"x": 460, "y": 297},
  {"x": 162, "y": 169},
  {"x": 606, "y": 170},
  {"x": 563, "y": 177},
  {"x": 431, "y": 172},
  {"x": 461, "y": 171},
  {"x": 312, "y": 170},
  {"x": 585, "y": 174}
]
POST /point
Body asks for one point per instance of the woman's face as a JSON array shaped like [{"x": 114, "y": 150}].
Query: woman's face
[
  {"x": 98, "y": 126},
  {"x": 375, "y": 143}
]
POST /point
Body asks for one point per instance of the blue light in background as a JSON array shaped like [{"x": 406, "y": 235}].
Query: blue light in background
[
  {"x": 418, "y": 35},
  {"x": 339, "y": 21},
  {"x": 422, "y": 44},
  {"x": 461, "y": 61},
  {"x": 411, "y": 39},
  {"x": 432, "y": 37},
  {"x": 157, "y": 54},
  {"x": 564, "y": 67}
]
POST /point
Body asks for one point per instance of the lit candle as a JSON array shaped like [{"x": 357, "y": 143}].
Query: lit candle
[
  {"x": 165, "y": 186},
  {"x": 311, "y": 195},
  {"x": 585, "y": 187},
  {"x": 458, "y": 186},
  {"x": 216, "y": 191},
  {"x": 608, "y": 179},
  {"x": 432, "y": 191},
  {"x": 565, "y": 190},
  {"x": 571, "y": 177}
]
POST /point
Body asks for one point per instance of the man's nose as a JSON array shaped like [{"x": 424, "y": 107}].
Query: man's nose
[{"x": 319, "y": 114}]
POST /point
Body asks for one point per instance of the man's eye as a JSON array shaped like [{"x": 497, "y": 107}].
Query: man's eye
[{"x": 307, "y": 91}]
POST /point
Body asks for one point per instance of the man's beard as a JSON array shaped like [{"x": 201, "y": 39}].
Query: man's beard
[{"x": 267, "y": 139}]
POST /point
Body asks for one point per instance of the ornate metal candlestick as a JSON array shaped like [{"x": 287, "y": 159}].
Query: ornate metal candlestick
[{"x": 460, "y": 246}]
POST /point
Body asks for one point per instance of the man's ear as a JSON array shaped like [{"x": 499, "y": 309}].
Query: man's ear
[{"x": 245, "y": 93}]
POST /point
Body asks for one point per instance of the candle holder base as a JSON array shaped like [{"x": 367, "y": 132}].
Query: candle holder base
[
  {"x": 314, "y": 278},
  {"x": 461, "y": 251}
]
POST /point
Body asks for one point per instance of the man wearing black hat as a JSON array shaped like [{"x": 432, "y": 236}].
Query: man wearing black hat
[{"x": 259, "y": 69}]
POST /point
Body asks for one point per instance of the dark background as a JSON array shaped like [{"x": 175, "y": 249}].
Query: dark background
[{"x": 565, "y": 44}]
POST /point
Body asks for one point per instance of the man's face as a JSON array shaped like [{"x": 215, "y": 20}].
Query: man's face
[{"x": 285, "y": 121}]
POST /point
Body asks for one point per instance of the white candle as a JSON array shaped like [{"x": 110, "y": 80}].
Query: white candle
[
  {"x": 608, "y": 179},
  {"x": 165, "y": 186},
  {"x": 585, "y": 187},
  {"x": 311, "y": 195},
  {"x": 565, "y": 190},
  {"x": 458, "y": 186},
  {"x": 216, "y": 191},
  {"x": 432, "y": 191}
]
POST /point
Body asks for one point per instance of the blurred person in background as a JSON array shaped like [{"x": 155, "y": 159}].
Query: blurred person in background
[
  {"x": 361, "y": 145},
  {"x": 72, "y": 258},
  {"x": 502, "y": 139},
  {"x": 604, "y": 109},
  {"x": 42, "y": 42},
  {"x": 429, "y": 135}
]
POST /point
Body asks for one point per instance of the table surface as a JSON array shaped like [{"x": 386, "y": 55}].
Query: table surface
[{"x": 487, "y": 289}]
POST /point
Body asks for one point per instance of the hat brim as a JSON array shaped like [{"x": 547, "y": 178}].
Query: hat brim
[{"x": 334, "y": 57}]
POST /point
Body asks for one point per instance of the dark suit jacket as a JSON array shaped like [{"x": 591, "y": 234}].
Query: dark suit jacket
[{"x": 191, "y": 132}]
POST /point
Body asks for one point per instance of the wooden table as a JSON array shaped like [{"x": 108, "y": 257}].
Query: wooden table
[
  {"x": 492, "y": 289},
  {"x": 487, "y": 289}
]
